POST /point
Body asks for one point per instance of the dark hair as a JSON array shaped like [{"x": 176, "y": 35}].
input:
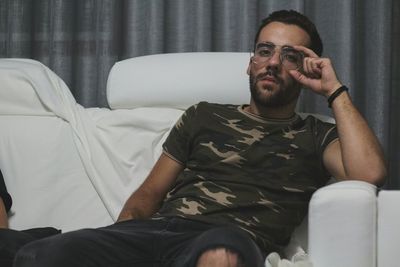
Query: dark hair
[{"x": 295, "y": 18}]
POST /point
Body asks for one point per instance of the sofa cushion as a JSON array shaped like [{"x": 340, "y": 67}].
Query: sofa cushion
[{"x": 178, "y": 80}]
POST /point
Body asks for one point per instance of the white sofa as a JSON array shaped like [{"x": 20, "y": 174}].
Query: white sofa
[{"x": 72, "y": 167}]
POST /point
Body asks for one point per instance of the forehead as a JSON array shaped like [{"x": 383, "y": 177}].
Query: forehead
[{"x": 284, "y": 34}]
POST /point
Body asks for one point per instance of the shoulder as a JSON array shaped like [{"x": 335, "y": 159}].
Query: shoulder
[
  {"x": 215, "y": 106},
  {"x": 208, "y": 107},
  {"x": 315, "y": 121},
  {"x": 322, "y": 129}
]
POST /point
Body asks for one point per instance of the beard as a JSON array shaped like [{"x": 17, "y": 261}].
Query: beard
[{"x": 285, "y": 94}]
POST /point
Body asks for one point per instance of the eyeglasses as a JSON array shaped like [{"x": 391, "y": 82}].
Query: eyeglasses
[{"x": 290, "y": 58}]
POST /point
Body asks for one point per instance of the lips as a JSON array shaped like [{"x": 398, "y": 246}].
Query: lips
[
  {"x": 268, "y": 81},
  {"x": 268, "y": 77}
]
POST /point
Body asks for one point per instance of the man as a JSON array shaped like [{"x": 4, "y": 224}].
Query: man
[
  {"x": 234, "y": 181},
  {"x": 12, "y": 240}
]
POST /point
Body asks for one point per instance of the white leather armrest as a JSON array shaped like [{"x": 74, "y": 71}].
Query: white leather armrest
[
  {"x": 342, "y": 225},
  {"x": 388, "y": 228}
]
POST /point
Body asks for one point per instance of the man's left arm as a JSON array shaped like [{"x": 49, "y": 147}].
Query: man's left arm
[{"x": 357, "y": 154}]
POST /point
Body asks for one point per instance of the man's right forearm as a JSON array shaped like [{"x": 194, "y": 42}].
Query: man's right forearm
[
  {"x": 140, "y": 205},
  {"x": 147, "y": 199},
  {"x": 129, "y": 214}
]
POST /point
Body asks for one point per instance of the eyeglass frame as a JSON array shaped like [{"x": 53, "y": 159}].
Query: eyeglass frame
[{"x": 281, "y": 59}]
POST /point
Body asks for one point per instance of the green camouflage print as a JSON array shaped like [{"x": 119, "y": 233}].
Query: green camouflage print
[{"x": 245, "y": 170}]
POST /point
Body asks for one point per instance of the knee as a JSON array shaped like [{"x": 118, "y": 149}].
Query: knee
[
  {"x": 221, "y": 257},
  {"x": 37, "y": 253},
  {"x": 225, "y": 246},
  {"x": 52, "y": 251}
]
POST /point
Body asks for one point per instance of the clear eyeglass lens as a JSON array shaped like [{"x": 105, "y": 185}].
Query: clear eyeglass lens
[{"x": 290, "y": 58}]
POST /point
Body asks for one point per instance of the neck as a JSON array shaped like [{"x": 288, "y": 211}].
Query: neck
[{"x": 282, "y": 112}]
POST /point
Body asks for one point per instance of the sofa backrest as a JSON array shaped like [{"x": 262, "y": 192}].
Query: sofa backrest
[{"x": 178, "y": 80}]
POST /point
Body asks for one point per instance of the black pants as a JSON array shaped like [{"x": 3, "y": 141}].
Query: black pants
[
  {"x": 138, "y": 243},
  {"x": 11, "y": 241}
]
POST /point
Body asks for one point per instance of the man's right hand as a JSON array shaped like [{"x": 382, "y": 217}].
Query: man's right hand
[{"x": 147, "y": 199}]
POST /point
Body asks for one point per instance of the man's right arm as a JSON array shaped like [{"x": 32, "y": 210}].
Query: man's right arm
[
  {"x": 147, "y": 199},
  {"x": 3, "y": 215}
]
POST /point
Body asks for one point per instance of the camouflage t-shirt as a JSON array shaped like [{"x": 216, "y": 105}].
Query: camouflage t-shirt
[{"x": 242, "y": 169}]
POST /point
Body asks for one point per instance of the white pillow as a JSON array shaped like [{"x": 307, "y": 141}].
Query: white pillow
[{"x": 179, "y": 80}]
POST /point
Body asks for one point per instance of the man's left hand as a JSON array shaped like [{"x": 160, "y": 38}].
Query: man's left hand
[{"x": 317, "y": 73}]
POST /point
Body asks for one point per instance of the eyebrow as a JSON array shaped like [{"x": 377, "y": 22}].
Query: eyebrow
[
  {"x": 265, "y": 44},
  {"x": 268, "y": 44}
]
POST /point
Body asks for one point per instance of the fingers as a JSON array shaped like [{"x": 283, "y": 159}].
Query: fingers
[
  {"x": 312, "y": 67},
  {"x": 308, "y": 52},
  {"x": 317, "y": 74},
  {"x": 311, "y": 62},
  {"x": 307, "y": 82},
  {"x": 299, "y": 77}
]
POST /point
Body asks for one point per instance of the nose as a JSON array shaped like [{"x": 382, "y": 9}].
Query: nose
[{"x": 274, "y": 61}]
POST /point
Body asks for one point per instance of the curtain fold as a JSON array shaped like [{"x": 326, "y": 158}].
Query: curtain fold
[{"x": 81, "y": 39}]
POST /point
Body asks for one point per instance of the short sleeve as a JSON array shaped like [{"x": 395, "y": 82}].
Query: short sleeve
[
  {"x": 325, "y": 134},
  {"x": 178, "y": 144},
  {"x": 4, "y": 195}
]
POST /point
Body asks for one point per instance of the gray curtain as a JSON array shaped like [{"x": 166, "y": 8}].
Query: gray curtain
[{"x": 81, "y": 39}]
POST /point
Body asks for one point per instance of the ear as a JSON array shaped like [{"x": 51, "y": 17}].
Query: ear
[{"x": 249, "y": 68}]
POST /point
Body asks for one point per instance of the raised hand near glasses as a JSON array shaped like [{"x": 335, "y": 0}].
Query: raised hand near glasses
[{"x": 317, "y": 74}]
